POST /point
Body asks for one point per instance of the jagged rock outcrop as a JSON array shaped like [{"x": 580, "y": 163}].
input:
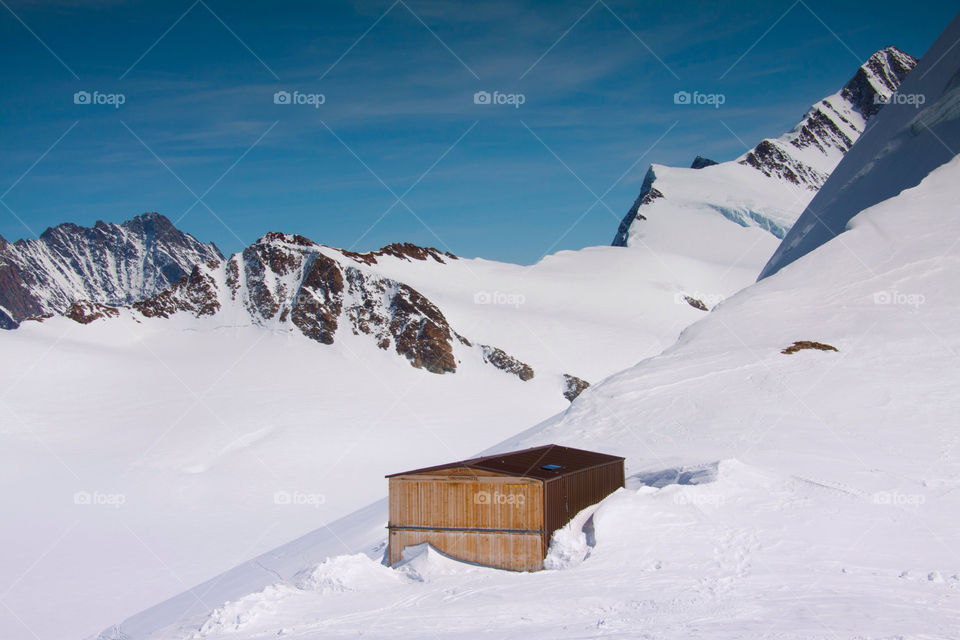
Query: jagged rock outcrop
[
  {"x": 773, "y": 161},
  {"x": 505, "y": 362},
  {"x": 110, "y": 264},
  {"x": 696, "y": 303},
  {"x": 878, "y": 78},
  {"x": 833, "y": 124},
  {"x": 86, "y": 312},
  {"x": 802, "y": 345},
  {"x": 573, "y": 386},
  {"x": 196, "y": 293},
  {"x": 700, "y": 162},
  {"x": 288, "y": 281},
  {"x": 647, "y": 195},
  {"x": 402, "y": 250}
]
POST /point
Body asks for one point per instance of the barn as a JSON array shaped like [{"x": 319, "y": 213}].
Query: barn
[{"x": 498, "y": 510}]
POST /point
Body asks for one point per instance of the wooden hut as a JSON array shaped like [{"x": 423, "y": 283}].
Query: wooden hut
[{"x": 498, "y": 510}]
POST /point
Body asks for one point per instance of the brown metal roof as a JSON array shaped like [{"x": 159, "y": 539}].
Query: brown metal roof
[{"x": 530, "y": 463}]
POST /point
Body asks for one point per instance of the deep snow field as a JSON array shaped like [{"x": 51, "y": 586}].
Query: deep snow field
[
  {"x": 812, "y": 495},
  {"x": 187, "y": 433}
]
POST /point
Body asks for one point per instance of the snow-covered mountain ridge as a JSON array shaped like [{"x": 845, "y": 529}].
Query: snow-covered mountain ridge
[
  {"x": 769, "y": 185},
  {"x": 112, "y": 264},
  {"x": 918, "y": 138},
  {"x": 287, "y": 282}
]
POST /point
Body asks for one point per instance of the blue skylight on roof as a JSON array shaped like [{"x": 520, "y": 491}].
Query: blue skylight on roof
[{"x": 552, "y": 467}]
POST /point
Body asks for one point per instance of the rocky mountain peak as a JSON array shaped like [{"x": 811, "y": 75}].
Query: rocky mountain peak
[
  {"x": 803, "y": 157},
  {"x": 700, "y": 162},
  {"x": 647, "y": 195},
  {"x": 879, "y": 76},
  {"x": 277, "y": 237},
  {"x": 402, "y": 250},
  {"x": 108, "y": 263}
]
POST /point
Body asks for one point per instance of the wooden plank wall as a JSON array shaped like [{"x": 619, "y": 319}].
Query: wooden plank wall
[
  {"x": 473, "y": 503},
  {"x": 514, "y": 551},
  {"x": 500, "y": 518},
  {"x": 569, "y": 494}
]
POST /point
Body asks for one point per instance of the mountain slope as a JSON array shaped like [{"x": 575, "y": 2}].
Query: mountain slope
[
  {"x": 914, "y": 138},
  {"x": 769, "y": 495},
  {"x": 111, "y": 264},
  {"x": 772, "y": 492},
  {"x": 199, "y": 420},
  {"x": 768, "y": 186},
  {"x": 419, "y": 302}
]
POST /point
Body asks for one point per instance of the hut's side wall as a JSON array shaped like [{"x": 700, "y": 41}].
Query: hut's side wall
[
  {"x": 567, "y": 495},
  {"x": 490, "y": 520},
  {"x": 514, "y": 551}
]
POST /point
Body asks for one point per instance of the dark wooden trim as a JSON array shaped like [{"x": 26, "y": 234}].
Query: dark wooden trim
[{"x": 392, "y": 527}]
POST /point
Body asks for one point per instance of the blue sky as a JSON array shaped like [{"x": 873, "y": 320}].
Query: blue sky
[{"x": 399, "y": 151}]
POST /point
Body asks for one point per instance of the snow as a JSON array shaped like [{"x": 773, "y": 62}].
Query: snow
[
  {"x": 234, "y": 435},
  {"x": 587, "y": 313},
  {"x": 906, "y": 142},
  {"x": 214, "y": 429},
  {"x": 732, "y": 190},
  {"x": 769, "y": 495},
  {"x": 747, "y": 196}
]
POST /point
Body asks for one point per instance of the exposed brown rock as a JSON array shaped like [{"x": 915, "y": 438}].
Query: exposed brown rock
[
  {"x": 402, "y": 250},
  {"x": 85, "y": 311},
  {"x": 318, "y": 303},
  {"x": 273, "y": 237},
  {"x": 233, "y": 276},
  {"x": 771, "y": 160},
  {"x": 196, "y": 293},
  {"x": 421, "y": 331},
  {"x": 504, "y": 361},
  {"x": 819, "y": 131},
  {"x": 15, "y": 296},
  {"x": 807, "y": 344},
  {"x": 258, "y": 260},
  {"x": 573, "y": 386},
  {"x": 695, "y": 303},
  {"x": 860, "y": 90},
  {"x": 365, "y": 258},
  {"x": 653, "y": 194}
]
